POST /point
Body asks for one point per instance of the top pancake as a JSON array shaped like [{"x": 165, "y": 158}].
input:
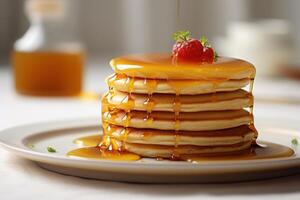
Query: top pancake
[{"x": 162, "y": 66}]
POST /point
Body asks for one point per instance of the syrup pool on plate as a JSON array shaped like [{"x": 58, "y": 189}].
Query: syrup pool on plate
[
  {"x": 92, "y": 150},
  {"x": 264, "y": 150}
]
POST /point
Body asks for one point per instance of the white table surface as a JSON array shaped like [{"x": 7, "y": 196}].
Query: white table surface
[{"x": 22, "y": 179}]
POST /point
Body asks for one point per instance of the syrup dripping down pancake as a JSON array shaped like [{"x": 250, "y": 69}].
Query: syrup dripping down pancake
[
  {"x": 189, "y": 121},
  {"x": 197, "y": 138},
  {"x": 157, "y": 107},
  {"x": 176, "y": 86},
  {"x": 188, "y": 103}
]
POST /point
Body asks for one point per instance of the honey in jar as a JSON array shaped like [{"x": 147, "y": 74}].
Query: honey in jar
[
  {"x": 49, "y": 59},
  {"x": 48, "y": 73}
]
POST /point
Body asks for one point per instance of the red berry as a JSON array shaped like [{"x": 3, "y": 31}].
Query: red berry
[
  {"x": 208, "y": 55},
  {"x": 176, "y": 47},
  {"x": 190, "y": 50}
]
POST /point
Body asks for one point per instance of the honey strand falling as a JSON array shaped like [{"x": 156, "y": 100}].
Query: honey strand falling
[{"x": 178, "y": 20}]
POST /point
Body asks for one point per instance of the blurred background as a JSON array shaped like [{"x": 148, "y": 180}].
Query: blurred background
[
  {"x": 116, "y": 27},
  {"x": 264, "y": 32}
]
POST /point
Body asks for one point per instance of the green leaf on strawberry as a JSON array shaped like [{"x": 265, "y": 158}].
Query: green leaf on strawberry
[
  {"x": 204, "y": 42},
  {"x": 180, "y": 36}
]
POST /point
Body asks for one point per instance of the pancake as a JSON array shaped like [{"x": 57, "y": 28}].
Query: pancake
[
  {"x": 189, "y": 121},
  {"x": 158, "y": 107},
  {"x": 169, "y": 151},
  {"x": 188, "y": 103},
  {"x": 172, "y": 138},
  {"x": 148, "y": 86},
  {"x": 162, "y": 66}
]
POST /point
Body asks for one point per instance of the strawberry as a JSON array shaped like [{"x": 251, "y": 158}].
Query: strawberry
[
  {"x": 208, "y": 54},
  {"x": 192, "y": 50}
]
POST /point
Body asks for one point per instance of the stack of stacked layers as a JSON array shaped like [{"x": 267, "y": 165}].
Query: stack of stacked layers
[{"x": 155, "y": 108}]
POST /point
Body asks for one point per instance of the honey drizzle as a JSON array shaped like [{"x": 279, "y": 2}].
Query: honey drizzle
[
  {"x": 176, "y": 108},
  {"x": 127, "y": 103},
  {"x": 262, "y": 150},
  {"x": 130, "y": 84},
  {"x": 251, "y": 125},
  {"x": 149, "y": 103},
  {"x": 128, "y": 107},
  {"x": 178, "y": 14},
  {"x": 109, "y": 144},
  {"x": 117, "y": 153},
  {"x": 110, "y": 147},
  {"x": 151, "y": 85},
  {"x": 250, "y": 92}
]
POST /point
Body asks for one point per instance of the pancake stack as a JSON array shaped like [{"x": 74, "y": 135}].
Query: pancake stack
[{"x": 158, "y": 108}]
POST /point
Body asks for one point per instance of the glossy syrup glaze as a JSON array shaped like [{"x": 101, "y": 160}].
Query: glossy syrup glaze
[
  {"x": 153, "y": 69},
  {"x": 174, "y": 86},
  {"x": 162, "y": 66},
  {"x": 100, "y": 153}
]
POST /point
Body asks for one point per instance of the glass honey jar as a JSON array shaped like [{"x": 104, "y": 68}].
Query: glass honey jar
[{"x": 49, "y": 59}]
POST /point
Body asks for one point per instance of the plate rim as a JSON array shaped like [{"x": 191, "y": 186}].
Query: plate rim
[{"x": 30, "y": 154}]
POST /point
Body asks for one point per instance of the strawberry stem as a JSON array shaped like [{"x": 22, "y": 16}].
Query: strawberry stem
[
  {"x": 204, "y": 42},
  {"x": 180, "y": 36}
]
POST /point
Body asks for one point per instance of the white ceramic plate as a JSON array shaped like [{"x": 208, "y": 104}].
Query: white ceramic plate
[{"x": 31, "y": 142}]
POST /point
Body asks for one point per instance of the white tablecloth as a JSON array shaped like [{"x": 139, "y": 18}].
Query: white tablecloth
[{"x": 22, "y": 179}]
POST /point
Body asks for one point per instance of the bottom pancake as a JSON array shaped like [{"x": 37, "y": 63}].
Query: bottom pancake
[{"x": 156, "y": 151}]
